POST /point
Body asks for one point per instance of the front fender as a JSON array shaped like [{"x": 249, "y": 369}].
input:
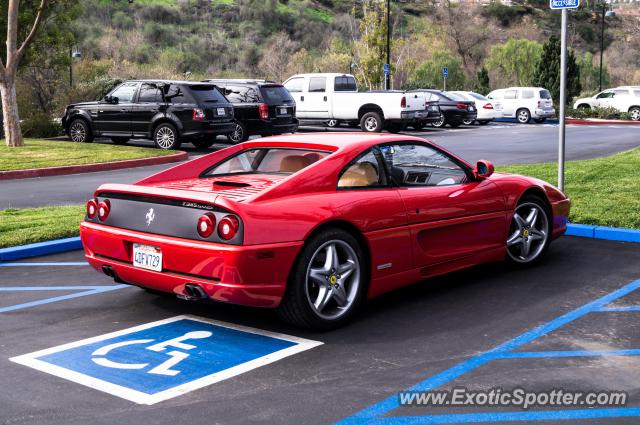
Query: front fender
[{"x": 76, "y": 113}]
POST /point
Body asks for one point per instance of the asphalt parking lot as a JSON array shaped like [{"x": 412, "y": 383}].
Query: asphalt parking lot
[{"x": 570, "y": 323}]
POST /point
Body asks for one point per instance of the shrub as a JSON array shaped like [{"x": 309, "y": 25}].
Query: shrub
[
  {"x": 40, "y": 125},
  {"x": 601, "y": 113}
]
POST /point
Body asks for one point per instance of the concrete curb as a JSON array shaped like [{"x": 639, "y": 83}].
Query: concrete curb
[
  {"x": 547, "y": 121},
  {"x": 600, "y": 122},
  {"x": 89, "y": 168},
  {"x": 40, "y": 248},
  {"x": 72, "y": 244}
]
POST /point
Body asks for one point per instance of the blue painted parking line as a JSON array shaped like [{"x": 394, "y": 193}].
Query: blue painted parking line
[
  {"x": 156, "y": 361},
  {"x": 86, "y": 290},
  {"x": 60, "y": 264},
  {"x": 504, "y": 352}
]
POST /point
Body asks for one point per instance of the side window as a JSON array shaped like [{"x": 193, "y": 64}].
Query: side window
[
  {"x": 294, "y": 85},
  {"x": 621, "y": 92},
  {"x": 636, "y": 93},
  {"x": 242, "y": 94},
  {"x": 175, "y": 94},
  {"x": 125, "y": 92},
  {"x": 605, "y": 95},
  {"x": 364, "y": 172},
  {"x": 317, "y": 84},
  {"x": 149, "y": 93},
  {"x": 511, "y": 94},
  {"x": 527, "y": 94},
  {"x": 421, "y": 165},
  {"x": 344, "y": 83}
]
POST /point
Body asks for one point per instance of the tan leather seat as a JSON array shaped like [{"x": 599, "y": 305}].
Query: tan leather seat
[
  {"x": 359, "y": 175},
  {"x": 294, "y": 163}
]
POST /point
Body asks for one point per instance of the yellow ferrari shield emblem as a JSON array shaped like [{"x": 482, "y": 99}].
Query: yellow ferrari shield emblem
[
  {"x": 333, "y": 279},
  {"x": 525, "y": 233}
]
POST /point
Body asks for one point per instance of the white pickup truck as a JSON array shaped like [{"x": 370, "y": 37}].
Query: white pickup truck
[{"x": 324, "y": 97}]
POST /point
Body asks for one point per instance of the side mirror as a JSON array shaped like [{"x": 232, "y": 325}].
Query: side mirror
[
  {"x": 106, "y": 99},
  {"x": 114, "y": 99},
  {"x": 483, "y": 169}
]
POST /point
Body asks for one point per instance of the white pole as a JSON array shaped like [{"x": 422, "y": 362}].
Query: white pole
[{"x": 563, "y": 95}]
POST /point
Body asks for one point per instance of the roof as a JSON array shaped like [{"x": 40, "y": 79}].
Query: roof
[
  {"x": 336, "y": 140},
  {"x": 185, "y": 82},
  {"x": 242, "y": 81}
]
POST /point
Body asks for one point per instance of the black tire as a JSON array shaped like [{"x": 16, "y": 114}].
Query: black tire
[
  {"x": 80, "y": 131},
  {"x": 468, "y": 122},
  {"x": 483, "y": 122},
  {"x": 371, "y": 122},
  {"x": 239, "y": 135},
  {"x": 634, "y": 111},
  {"x": 296, "y": 306},
  {"x": 165, "y": 136},
  {"x": 584, "y": 106},
  {"x": 523, "y": 116},
  {"x": 544, "y": 207},
  {"x": 440, "y": 123},
  {"x": 395, "y": 127},
  {"x": 540, "y": 120},
  {"x": 120, "y": 140},
  {"x": 418, "y": 126},
  {"x": 202, "y": 144}
]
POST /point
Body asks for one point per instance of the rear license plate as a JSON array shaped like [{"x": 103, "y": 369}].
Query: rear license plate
[
  {"x": 282, "y": 111},
  {"x": 147, "y": 257},
  {"x": 471, "y": 109},
  {"x": 221, "y": 111}
]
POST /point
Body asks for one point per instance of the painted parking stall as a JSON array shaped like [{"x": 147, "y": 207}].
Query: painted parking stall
[{"x": 157, "y": 361}]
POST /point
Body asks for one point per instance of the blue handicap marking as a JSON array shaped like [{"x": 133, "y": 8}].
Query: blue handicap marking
[{"x": 160, "y": 360}]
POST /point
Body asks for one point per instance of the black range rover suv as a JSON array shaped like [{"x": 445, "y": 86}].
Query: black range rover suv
[
  {"x": 168, "y": 112},
  {"x": 260, "y": 107}
]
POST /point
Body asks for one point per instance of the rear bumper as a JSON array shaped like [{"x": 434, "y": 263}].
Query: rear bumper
[
  {"x": 201, "y": 128},
  {"x": 544, "y": 113},
  {"x": 268, "y": 127},
  {"x": 253, "y": 275}
]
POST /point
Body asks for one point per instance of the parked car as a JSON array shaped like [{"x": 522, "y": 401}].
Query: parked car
[
  {"x": 291, "y": 222},
  {"x": 454, "y": 110},
  {"x": 525, "y": 103},
  {"x": 323, "y": 97},
  {"x": 624, "y": 99},
  {"x": 488, "y": 110},
  {"x": 168, "y": 112},
  {"x": 260, "y": 107},
  {"x": 430, "y": 115}
]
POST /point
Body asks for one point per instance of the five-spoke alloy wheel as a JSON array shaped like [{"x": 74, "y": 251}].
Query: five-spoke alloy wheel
[{"x": 528, "y": 236}]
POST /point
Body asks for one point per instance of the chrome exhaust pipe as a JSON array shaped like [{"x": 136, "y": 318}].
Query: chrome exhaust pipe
[{"x": 193, "y": 292}]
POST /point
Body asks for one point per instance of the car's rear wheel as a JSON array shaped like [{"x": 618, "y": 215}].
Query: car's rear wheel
[
  {"x": 635, "y": 113},
  {"x": 203, "y": 143},
  {"x": 79, "y": 131},
  {"x": 468, "y": 122},
  {"x": 523, "y": 116},
  {"x": 327, "y": 283},
  {"x": 239, "y": 133},
  {"x": 120, "y": 140},
  {"x": 530, "y": 231},
  {"x": 333, "y": 123},
  {"x": 165, "y": 136},
  {"x": 371, "y": 122},
  {"x": 440, "y": 123}
]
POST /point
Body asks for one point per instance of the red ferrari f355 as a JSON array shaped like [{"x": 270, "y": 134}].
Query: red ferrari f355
[{"x": 314, "y": 224}]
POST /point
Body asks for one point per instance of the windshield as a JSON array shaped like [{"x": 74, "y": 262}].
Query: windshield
[
  {"x": 478, "y": 96},
  {"x": 267, "y": 160},
  {"x": 276, "y": 94},
  {"x": 544, "y": 94},
  {"x": 207, "y": 93}
]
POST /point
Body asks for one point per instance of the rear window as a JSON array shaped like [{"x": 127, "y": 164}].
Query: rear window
[
  {"x": 477, "y": 96},
  {"x": 207, "y": 93},
  {"x": 242, "y": 94},
  {"x": 544, "y": 94},
  {"x": 267, "y": 161},
  {"x": 345, "y": 83},
  {"x": 276, "y": 94},
  {"x": 456, "y": 96}
]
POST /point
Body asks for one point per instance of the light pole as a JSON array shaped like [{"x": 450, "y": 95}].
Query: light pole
[
  {"x": 74, "y": 54},
  {"x": 387, "y": 76},
  {"x": 605, "y": 14}
]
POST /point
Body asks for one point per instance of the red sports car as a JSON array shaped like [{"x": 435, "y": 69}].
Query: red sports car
[{"x": 313, "y": 224}]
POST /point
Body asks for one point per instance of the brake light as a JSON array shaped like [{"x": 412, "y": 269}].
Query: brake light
[
  {"x": 461, "y": 106},
  {"x": 487, "y": 106},
  {"x": 539, "y": 104},
  {"x": 403, "y": 102},
  {"x": 206, "y": 225},
  {"x": 92, "y": 208},
  {"x": 263, "y": 110},
  {"x": 198, "y": 114},
  {"x": 228, "y": 227},
  {"x": 104, "y": 208}
]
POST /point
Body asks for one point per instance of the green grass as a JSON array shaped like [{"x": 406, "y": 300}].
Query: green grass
[
  {"x": 603, "y": 191},
  {"x": 29, "y": 225},
  {"x": 38, "y": 153}
]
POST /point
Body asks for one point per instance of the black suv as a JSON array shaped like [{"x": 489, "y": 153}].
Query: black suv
[
  {"x": 261, "y": 107},
  {"x": 168, "y": 112}
]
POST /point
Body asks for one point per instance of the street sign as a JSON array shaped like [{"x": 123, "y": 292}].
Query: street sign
[
  {"x": 387, "y": 69},
  {"x": 564, "y": 4},
  {"x": 445, "y": 72}
]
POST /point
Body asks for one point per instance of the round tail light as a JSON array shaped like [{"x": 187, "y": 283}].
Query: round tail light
[
  {"x": 103, "y": 209},
  {"x": 228, "y": 227},
  {"x": 92, "y": 208},
  {"x": 206, "y": 225}
]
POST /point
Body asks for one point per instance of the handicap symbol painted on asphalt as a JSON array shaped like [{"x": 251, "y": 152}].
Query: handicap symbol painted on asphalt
[{"x": 156, "y": 361}]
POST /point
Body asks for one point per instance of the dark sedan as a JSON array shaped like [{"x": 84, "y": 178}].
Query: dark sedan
[{"x": 454, "y": 110}]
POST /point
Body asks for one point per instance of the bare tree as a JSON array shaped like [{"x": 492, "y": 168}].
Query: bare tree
[
  {"x": 9, "y": 68},
  {"x": 276, "y": 56}
]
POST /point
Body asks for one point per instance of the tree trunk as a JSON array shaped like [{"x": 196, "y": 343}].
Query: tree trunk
[{"x": 12, "y": 130}]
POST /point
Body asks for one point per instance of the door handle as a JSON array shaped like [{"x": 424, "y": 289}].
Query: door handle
[
  {"x": 325, "y": 98},
  {"x": 123, "y": 110},
  {"x": 301, "y": 98}
]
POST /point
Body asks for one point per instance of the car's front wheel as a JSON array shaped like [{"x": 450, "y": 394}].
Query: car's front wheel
[
  {"x": 333, "y": 123},
  {"x": 165, "y": 136},
  {"x": 79, "y": 131},
  {"x": 327, "y": 283},
  {"x": 530, "y": 231},
  {"x": 440, "y": 123},
  {"x": 635, "y": 113},
  {"x": 468, "y": 122},
  {"x": 239, "y": 133}
]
